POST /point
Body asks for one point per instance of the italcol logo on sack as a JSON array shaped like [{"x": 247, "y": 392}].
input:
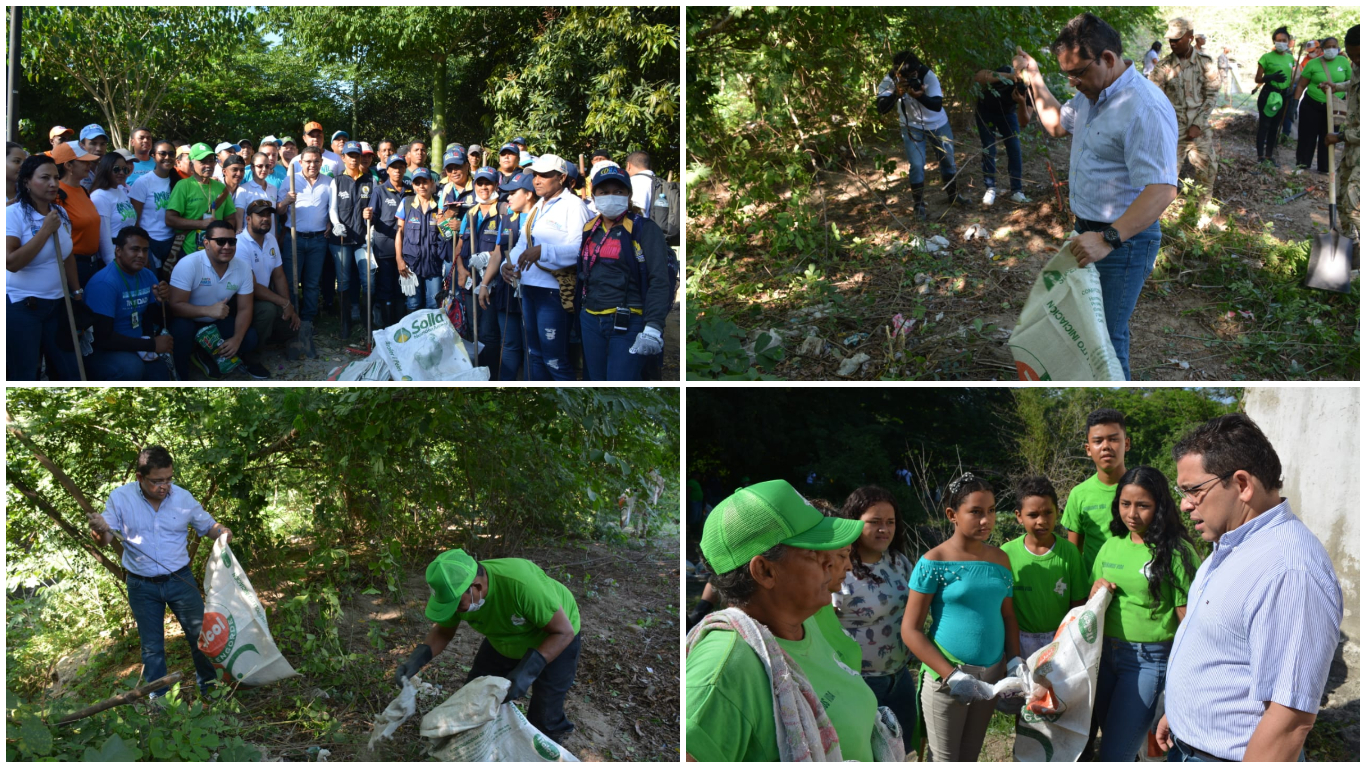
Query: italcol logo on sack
[{"x": 217, "y": 637}]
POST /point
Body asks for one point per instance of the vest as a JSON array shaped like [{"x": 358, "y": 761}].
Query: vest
[
  {"x": 352, "y": 197},
  {"x": 423, "y": 246}
]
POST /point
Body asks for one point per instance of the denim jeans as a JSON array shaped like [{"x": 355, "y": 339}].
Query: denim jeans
[
  {"x": 312, "y": 256},
  {"x": 607, "y": 352},
  {"x": 547, "y": 335},
  {"x": 1132, "y": 676},
  {"x": 546, "y": 708},
  {"x": 1009, "y": 128},
  {"x": 425, "y": 296},
  {"x": 510, "y": 327},
  {"x": 32, "y": 327},
  {"x": 183, "y": 330},
  {"x": 124, "y": 366},
  {"x": 87, "y": 267},
  {"x": 897, "y": 693},
  {"x": 940, "y": 140},
  {"x": 148, "y": 601},
  {"x": 157, "y": 251},
  {"x": 344, "y": 256},
  {"x": 1122, "y": 274}
]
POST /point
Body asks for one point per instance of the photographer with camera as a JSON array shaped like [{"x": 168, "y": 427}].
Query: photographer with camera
[
  {"x": 1002, "y": 108},
  {"x": 914, "y": 90}
]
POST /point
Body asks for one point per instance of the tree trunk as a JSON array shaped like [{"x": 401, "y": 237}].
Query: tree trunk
[
  {"x": 47, "y": 509},
  {"x": 439, "y": 110}
]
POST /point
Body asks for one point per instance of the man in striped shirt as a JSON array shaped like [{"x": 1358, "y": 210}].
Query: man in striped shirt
[
  {"x": 1250, "y": 661},
  {"x": 1123, "y": 162}
]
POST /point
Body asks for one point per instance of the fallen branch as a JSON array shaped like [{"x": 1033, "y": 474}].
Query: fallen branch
[
  {"x": 121, "y": 699},
  {"x": 57, "y": 472}
]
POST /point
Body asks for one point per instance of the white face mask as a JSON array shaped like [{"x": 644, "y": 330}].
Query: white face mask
[
  {"x": 1330, "y": 53},
  {"x": 485, "y": 200},
  {"x": 475, "y": 606},
  {"x": 611, "y": 206},
  {"x": 1282, "y": 47}
]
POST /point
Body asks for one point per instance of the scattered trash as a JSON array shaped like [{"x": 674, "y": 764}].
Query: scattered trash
[
  {"x": 775, "y": 339},
  {"x": 991, "y": 254},
  {"x": 855, "y": 339},
  {"x": 935, "y": 244},
  {"x": 921, "y": 278},
  {"x": 938, "y": 316},
  {"x": 851, "y": 365},
  {"x": 901, "y": 326},
  {"x": 1182, "y": 364},
  {"x": 812, "y": 345},
  {"x": 975, "y": 232},
  {"x": 400, "y": 709}
]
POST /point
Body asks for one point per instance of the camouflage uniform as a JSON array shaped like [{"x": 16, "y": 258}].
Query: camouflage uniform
[
  {"x": 1349, "y": 167},
  {"x": 1192, "y": 86}
]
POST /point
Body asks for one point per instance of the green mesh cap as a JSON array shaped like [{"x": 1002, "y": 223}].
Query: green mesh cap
[
  {"x": 449, "y": 575},
  {"x": 753, "y": 520}
]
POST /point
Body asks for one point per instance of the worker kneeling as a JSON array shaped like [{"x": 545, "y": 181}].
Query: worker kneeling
[{"x": 530, "y": 625}]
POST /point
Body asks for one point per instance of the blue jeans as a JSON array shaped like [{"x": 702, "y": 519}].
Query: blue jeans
[
  {"x": 897, "y": 692},
  {"x": 124, "y": 366},
  {"x": 1179, "y": 754},
  {"x": 510, "y": 328},
  {"x": 157, "y": 251},
  {"x": 345, "y": 256},
  {"x": 546, "y": 708},
  {"x": 1132, "y": 676},
  {"x": 547, "y": 335},
  {"x": 1122, "y": 274},
  {"x": 148, "y": 601},
  {"x": 940, "y": 140},
  {"x": 425, "y": 297},
  {"x": 32, "y": 327},
  {"x": 312, "y": 256},
  {"x": 1008, "y": 126},
  {"x": 607, "y": 352}
]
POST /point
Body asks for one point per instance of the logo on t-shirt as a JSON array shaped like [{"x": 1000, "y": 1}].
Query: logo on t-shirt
[
  {"x": 161, "y": 199},
  {"x": 1147, "y": 570},
  {"x": 516, "y": 620},
  {"x": 205, "y": 281},
  {"x": 1060, "y": 587},
  {"x": 233, "y": 287}
]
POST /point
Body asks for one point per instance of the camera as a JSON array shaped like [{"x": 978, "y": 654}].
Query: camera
[{"x": 909, "y": 78}]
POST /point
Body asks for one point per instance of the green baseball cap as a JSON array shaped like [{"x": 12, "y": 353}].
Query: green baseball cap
[
  {"x": 753, "y": 520},
  {"x": 449, "y": 575},
  {"x": 200, "y": 151}
]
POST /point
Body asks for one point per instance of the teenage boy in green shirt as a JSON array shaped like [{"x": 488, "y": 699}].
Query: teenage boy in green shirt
[
  {"x": 1087, "y": 515},
  {"x": 529, "y": 621}
]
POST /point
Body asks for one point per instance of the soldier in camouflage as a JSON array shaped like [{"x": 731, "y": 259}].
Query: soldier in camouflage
[
  {"x": 1190, "y": 79},
  {"x": 1348, "y": 138}
]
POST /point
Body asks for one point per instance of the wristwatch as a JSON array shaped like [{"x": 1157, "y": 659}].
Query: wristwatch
[
  {"x": 78, "y": 294},
  {"x": 1111, "y": 236}
]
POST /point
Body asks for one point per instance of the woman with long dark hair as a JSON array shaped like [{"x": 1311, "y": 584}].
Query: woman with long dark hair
[
  {"x": 110, "y": 197},
  {"x": 1148, "y": 565},
  {"x": 872, "y": 599},
  {"x": 34, "y": 315}
]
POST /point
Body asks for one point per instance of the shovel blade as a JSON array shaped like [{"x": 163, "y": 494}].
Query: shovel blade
[{"x": 1330, "y": 263}]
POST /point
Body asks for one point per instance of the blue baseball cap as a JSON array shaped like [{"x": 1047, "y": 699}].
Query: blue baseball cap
[
  {"x": 519, "y": 140},
  {"x": 91, "y": 131},
  {"x": 395, "y": 159},
  {"x": 351, "y": 146},
  {"x": 510, "y": 148},
  {"x": 520, "y": 181},
  {"x": 335, "y": 134},
  {"x": 422, "y": 173},
  {"x": 487, "y": 174},
  {"x": 454, "y": 156},
  {"x": 612, "y": 173}
]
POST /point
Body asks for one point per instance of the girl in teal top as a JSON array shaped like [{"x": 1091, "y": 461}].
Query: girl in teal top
[
  {"x": 964, "y": 586},
  {"x": 1275, "y": 70},
  {"x": 1148, "y": 567}
]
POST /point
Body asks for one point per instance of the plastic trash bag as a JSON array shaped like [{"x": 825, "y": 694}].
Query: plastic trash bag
[
  {"x": 1061, "y": 333},
  {"x": 473, "y": 725},
  {"x": 235, "y": 636},
  {"x": 1061, "y": 687},
  {"x": 400, "y": 709},
  {"x": 423, "y": 347}
]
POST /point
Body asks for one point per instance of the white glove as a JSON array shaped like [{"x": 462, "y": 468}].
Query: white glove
[
  {"x": 649, "y": 342},
  {"x": 480, "y": 260},
  {"x": 408, "y": 284},
  {"x": 965, "y": 688},
  {"x": 338, "y": 229},
  {"x": 1015, "y": 668}
]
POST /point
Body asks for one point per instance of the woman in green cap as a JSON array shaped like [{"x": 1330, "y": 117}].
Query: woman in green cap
[
  {"x": 530, "y": 625},
  {"x": 774, "y": 558}
]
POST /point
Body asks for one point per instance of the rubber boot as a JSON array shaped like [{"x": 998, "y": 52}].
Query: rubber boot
[
  {"x": 918, "y": 199},
  {"x": 951, "y": 191},
  {"x": 305, "y": 338},
  {"x": 345, "y": 298},
  {"x": 377, "y": 317}
]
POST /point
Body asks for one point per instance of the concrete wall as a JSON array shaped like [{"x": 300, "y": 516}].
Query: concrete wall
[{"x": 1316, "y": 433}]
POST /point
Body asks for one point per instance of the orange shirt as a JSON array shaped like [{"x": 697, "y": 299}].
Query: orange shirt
[{"x": 85, "y": 220}]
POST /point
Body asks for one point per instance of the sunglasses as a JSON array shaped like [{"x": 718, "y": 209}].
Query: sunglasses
[
  {"x": 223, "y": 242},
  {"x": 121, "y": 169},
  {"x": 165, "y": 154}
]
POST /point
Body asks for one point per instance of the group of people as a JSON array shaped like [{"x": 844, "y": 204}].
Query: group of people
[
  {"x": 529, "y": 622},
  {"x": 569, "y": 270},
  {"x": 834, "y": 622},
  {"x": 1132, "y": 132}
]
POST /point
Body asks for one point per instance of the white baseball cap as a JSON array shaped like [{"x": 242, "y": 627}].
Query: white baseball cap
[{"x": 548, "y": 164}]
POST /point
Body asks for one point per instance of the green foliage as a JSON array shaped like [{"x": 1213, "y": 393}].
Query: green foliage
[{"x": 718, "y": 351}]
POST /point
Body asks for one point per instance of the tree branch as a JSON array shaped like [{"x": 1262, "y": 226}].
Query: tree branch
[
  {"x": 46, "y": 507},
  {"x": 122, "y": 698},
  {"x": 57, "y": 472}
]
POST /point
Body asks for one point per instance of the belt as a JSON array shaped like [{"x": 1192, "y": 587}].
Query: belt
[
  {"x": 1200, "y": 753},
  {"x": 1086, "y": 225},
  {"x": 155, "y": 579},
  {"x": 86, "y": 257},
  {"x": 319, "y": 233},
  {"x": 613, "y": 311}
]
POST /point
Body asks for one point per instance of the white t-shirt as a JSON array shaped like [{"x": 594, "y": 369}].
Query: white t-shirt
[
  {"x": 248, "y": 192},
  {"x": 116, "y": 211},
  {"x": 39, "y": 279},
  {"x": 641, "y": 182},
  {"x": 194, "y": 273},
  {"x": 1149, "y": 61},
  {"x": 332, "y": 165},
  {"x": 263, "y": 258},
  {"x": 154, "y": 193},
  {"x": 912, "y": 112}
]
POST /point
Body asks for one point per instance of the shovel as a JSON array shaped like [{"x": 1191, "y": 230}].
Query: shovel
[{"x": 1330, "y": 256}]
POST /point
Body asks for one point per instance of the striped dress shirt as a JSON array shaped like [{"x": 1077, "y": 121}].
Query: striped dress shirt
[
  {"x": 1261, "y": 625},
  {"x": 154, "y": 538},
  {"x": 1121, "y": 143}
]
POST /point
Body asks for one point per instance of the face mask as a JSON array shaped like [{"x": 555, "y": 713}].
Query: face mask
[
  {"x": 486, "y": 200},
  {"x": 1330, "y": 53},
  {"x": 611, "y": 206},
  {"x": 475, "y": 606},
  {"x": 1282, "y": 47}
]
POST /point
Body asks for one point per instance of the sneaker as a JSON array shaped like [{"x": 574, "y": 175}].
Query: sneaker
[
  {"x": 1019, "y": 197},
  {"x": 209, "y": 369},
  {"x": 990, "y": 197},
  {"x": 258, "y": 371}
]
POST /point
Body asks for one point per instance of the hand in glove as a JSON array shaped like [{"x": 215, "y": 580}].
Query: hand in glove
[
  {"x": 480, "y": 261},
  {"x": 965, "y": 688},
  {"x": 1275, "y": 77},
  {"x": 1016, "y": 668},
  {"x": 419, "y": 658},
  {"x": 649, "y": 342},
  {"x": 524, "y": 674},
  {"x": 338, "y": 229}
]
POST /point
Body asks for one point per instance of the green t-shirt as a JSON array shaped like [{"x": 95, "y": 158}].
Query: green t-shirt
[
  {"x": 730, "y": 698},
  {"x": 1272, "y": 62},
  {"x": 1088, "y": 513},
  {"x": 521, "y": 600},
  {"x": 846, "y": 647},
  {"x": 1132, "y": 616},
  {"x": 191, "y": 200},
  {"x": 1045, "y": 585},
  {"x": 1340, "y": 68}
]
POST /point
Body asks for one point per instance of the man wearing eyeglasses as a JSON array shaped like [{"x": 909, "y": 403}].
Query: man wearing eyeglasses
[
  {"x": 203, "y": 287},
  {"x": 150, "y": 515},
  {"x": 1250, "y": 660},
  {"x": 1123, "y": 162},
  {"x": 1190, "y": 79}
]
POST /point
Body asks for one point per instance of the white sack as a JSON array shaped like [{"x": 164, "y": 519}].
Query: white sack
[
  {"x": 474, "y": 726},
  {"x": 422, "y": 347},
  {"x": 1061, "y": 333},
  {"x": 234, "y": 635}
]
